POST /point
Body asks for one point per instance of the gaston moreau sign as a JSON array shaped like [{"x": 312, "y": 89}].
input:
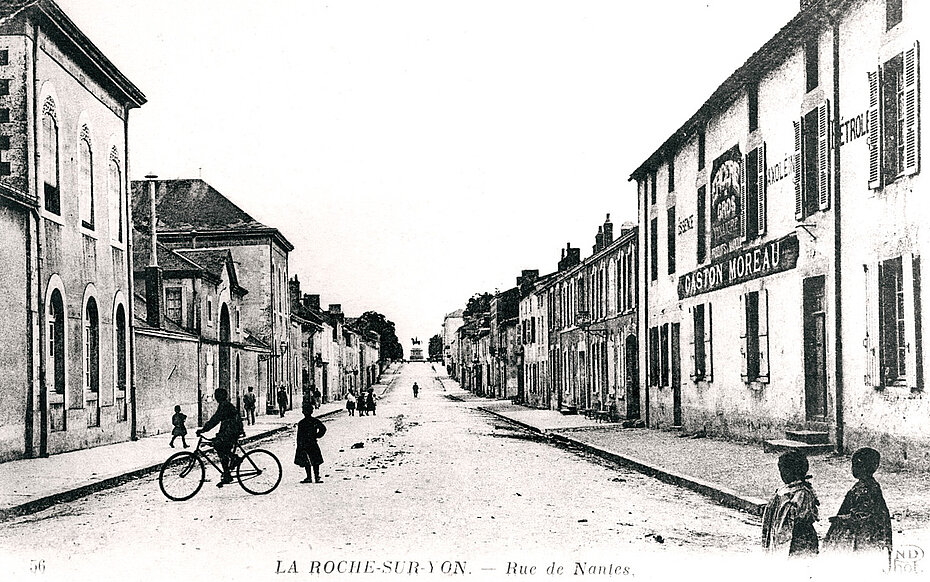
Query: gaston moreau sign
[{"x": 741, "y": 266}]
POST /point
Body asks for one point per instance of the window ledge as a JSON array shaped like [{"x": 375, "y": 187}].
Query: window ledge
[
  {"x": 51, "y": 216},
  {"x": 89, "y": 233}
]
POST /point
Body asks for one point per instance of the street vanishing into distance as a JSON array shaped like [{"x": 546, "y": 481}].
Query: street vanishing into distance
[{"x": 429, "y": 479}]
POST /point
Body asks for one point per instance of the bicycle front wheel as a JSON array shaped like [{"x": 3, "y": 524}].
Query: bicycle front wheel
[
  {"x": 259, "y": 473},
  {"x": 181, "y": 476}
]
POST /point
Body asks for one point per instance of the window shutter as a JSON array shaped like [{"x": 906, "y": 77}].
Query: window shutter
[
  {"x": 875, "y": 130},
  {"x": 872, "y": 377},
  {"x": 744, "y": 208},
  {"x": 918, "y": 383},
  {"x": 823, "y": 155},
  {"x": 744, "y": 363},
  {"x": 760, "y": 185},
  {"x": 763, "y": 336},
  {"x": 798, "y": 192},
  {"x": 911, "y": 110},
  {"x": 691, "y": 343},
  {"x": 708, "y": 344},
  {"x": 911, "y": 287}
]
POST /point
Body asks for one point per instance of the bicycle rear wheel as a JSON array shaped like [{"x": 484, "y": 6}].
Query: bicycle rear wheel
[
  {"x": 181, "y": 476},
  {"x": 259, "y": 473}
]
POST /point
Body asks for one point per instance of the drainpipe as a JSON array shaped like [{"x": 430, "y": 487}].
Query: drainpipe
[
  {"x": 127, "y": 185},
  {"x": 40, "y": 257},
  {"x": 834, "y": 18},
  {"x": 644, "y": 304}
]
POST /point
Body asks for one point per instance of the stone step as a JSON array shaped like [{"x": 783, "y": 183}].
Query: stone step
[
  {"x": 781, "y": 445},
  {"x": 811, "y": 437}
]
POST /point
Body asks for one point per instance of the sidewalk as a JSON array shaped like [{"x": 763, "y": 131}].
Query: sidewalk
[
  {"x": 739, "y": 475},
  {"x": 30, "y": 485}
]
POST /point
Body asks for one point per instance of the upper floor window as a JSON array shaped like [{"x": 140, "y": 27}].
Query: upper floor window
[
  {"x": 812, "y": 63},
  {"x": 753, "y": 98},
  {"x": 654, "y": 249},
  {"x": 702, "y": 144},
  {"x": 670, "y": 227},
  {"x": 812, "y": 162},
  {"x": 671, "y": 173},
  {"x": 115, "y": 196},
  {"x": 85, "y": 180},
  {"x": 48, "y": 160},
  {"x": 894, "y": 12},
  {"x": 652, "y": 187},
  {"x": 173, "y": 303},
  {"x": 893, "y": 119},
  {"x": 753, "y": 223}
]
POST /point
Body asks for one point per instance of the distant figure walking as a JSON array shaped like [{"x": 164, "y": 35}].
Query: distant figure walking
[
  {"x": 317, "y": 398},
  {"x": 308, "y": 454},
  {"x": 788, "y": 520},
  {"x": 372, "y": 404},
  {"x": 350, "y": 403},
  {"x": 863, "y": 523},
  {"x": 249, "y": 402},
  {"x": 179, "y": 430},
  {"x": 416, "y": 389},
  {"x": 282, "y": 400}
]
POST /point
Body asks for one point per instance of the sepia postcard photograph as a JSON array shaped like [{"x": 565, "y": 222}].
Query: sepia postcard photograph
[{"x": 505, "y": 290}]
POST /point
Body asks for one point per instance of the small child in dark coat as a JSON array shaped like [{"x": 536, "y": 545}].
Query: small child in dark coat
[
  {"x": 863, "y": 523},
  {"x": 788, "y": 520},
  {"x": 308, "y": 454},
  {"x": 179, "y": 429}
]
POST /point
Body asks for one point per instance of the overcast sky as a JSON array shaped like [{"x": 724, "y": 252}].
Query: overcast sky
[{"x": 418, "y": 152}]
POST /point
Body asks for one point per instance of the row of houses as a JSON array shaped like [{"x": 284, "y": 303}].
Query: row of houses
[
  {"x": 126, "y": 298},
  {"x": 773, "y": 291}
]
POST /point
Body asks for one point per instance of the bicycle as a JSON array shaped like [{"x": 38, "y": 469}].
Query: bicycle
[{"x": 184, "y": 473}]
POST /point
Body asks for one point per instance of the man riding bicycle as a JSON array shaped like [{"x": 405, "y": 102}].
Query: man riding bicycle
[{"x": 227, "y": 436}]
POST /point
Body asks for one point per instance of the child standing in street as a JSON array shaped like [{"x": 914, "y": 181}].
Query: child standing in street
[
  {"x": 179, "y": 430},
  {"x": 308, "y": 454},
  {"x": 863, "y": 523},
  {"x": 350, "y": 403},
  {"x": 788, "y": 520}
]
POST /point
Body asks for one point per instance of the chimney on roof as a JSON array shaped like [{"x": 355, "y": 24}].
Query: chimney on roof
[
  {"x": 293, "y": 287},
  {"x": 599, "y": 239},
  {"x": 626, "y": 227},
  {"x": 335, "y": 308},
  {"x": 571, "y": 256},
  {"x": 312, "y": 302},
  {"x": 154, "y": 283},
  {"x": 608, "y": 231}
]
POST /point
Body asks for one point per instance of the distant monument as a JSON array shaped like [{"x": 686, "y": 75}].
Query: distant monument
[{"x": 416, "y": 353}]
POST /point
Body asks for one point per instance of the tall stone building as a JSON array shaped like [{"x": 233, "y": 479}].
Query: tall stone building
[
  {"x": 191, "y": 214},
  {"x": 66, "y": 357}
]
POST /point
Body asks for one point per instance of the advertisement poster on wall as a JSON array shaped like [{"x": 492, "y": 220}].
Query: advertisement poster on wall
[{"x": 725, "y": 187}]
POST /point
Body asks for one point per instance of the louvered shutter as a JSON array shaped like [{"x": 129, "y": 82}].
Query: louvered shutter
[
  {"x": 798, "y": 171},
  {"x": 763, "y": 336},
  {"x": 911, "y": 110},
  {"x": 760, "y": 188},
  {"x": 875, "y": 130},
  {"x": 911, "y": 287},
  {"x": 872, "y": 376},
  {"x": 708, "y": 344},
  {"x": 691, "y": 343},
  {"x": 743, "y": 207},
  {"x": 918, "y": 383},
  {"x": 744, "y": 356},
  {"x": 824, "y": 134}
]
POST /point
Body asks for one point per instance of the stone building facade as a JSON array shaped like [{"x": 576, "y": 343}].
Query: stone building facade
[
  {"x": 790, "y": 200},
  {"x": 192, "y": 214},
  {"x": 64, "y": 118}
]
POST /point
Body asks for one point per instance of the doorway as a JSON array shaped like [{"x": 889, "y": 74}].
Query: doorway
[
  {"x": 815, "y": 349},
  {"x": 632, "y": 377}
]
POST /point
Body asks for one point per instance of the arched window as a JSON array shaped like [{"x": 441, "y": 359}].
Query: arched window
[
  {"x": 92, "y": 362},
  {"x": 55, "y": 371},
  {"x": 115, "y": 196},
  {"x": 85, "y": 180},
  {"x": 120, "y": 369},
  {"x": 49, "y": 157}
]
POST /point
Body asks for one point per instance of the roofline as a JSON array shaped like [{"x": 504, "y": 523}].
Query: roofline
[
  {"x": 756, "y": 65},
  {"x": 67, "y": 26},
  {"x": 239, "y": 232}
]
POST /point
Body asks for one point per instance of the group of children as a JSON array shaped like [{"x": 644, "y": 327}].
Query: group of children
[
  {"x": 364, "y": 403},
  {"x": 862, "y": 524}
]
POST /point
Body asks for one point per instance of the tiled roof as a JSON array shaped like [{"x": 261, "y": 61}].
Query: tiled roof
[
  {"x": 213, "y": 261},
  {"x": 168, "y": 260},
  {"x": 189, "y": 204}
]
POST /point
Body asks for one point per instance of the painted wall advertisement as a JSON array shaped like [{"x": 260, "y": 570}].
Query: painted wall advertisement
[{"x": 725, "y": 186}]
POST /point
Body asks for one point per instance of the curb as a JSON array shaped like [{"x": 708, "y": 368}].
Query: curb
[
  {"x": 65, "y": 496},
  {"x": 722, "y": 495}
]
